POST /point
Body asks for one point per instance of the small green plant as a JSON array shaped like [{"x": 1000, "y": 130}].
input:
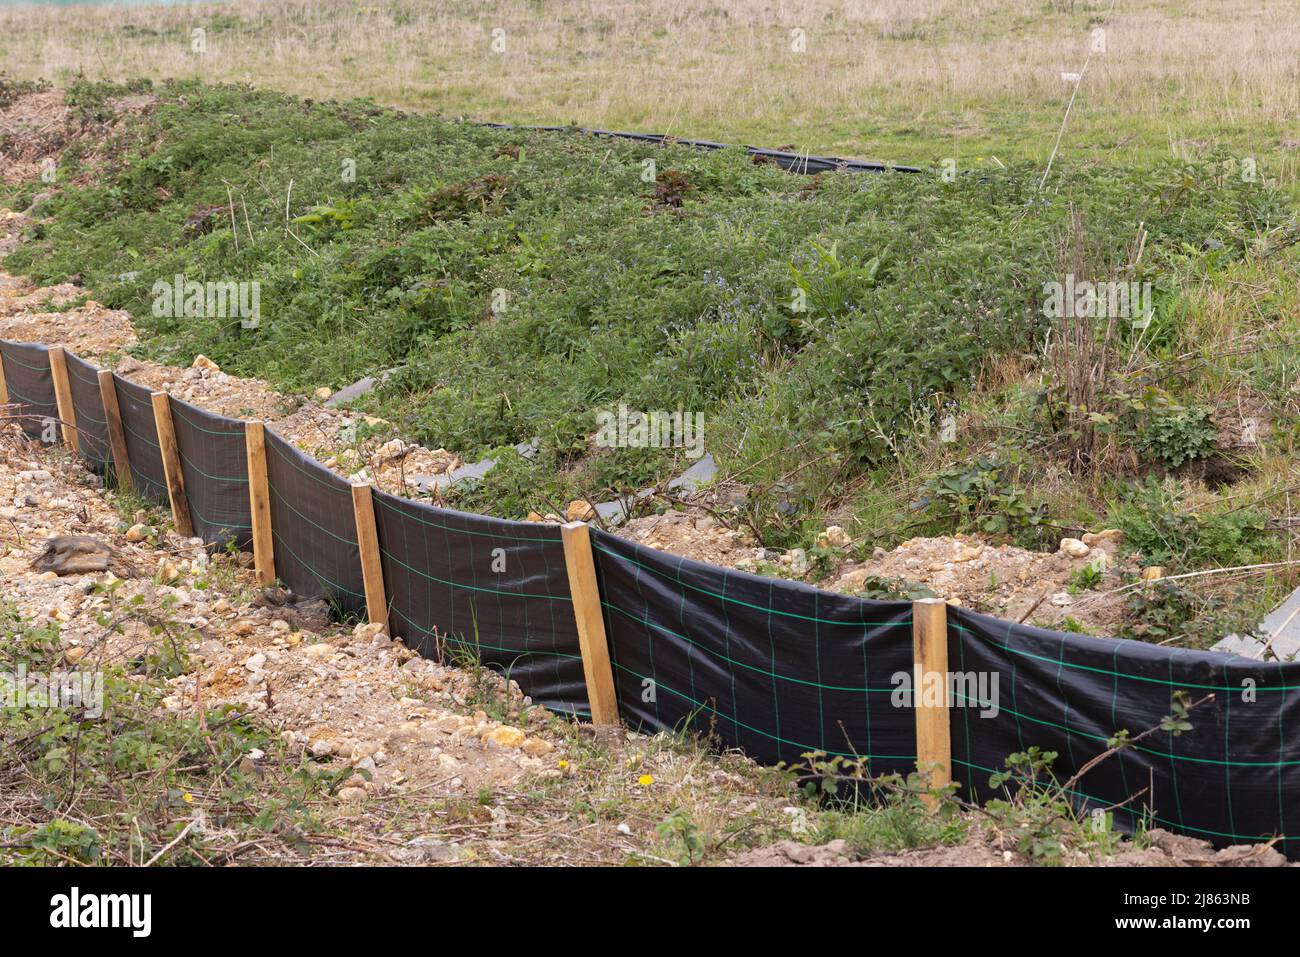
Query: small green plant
[
  {"x": 684, "y": 833},
  {"x": 62, "y": 840},
  {"x": 1165, "y": 611},
  {"x": 135, "y": 773},
  {"x": 981, "y": 496},
  {"x": 885, "y": 588},
  {"x": 1038, "y": 812},
  {"x": 1177, "y": 435},
  {"x": 876, "y": 814},
  {"x": 1085, "y": 578}
]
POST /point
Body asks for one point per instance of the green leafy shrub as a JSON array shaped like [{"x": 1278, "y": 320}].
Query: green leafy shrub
[
  {"x": 1177, "y": 436},
  {"x": 1165, "y": 610},
  {"x": 1157, "y": 525},
  {"x": 982, "y": 497},
  {"x": 909, "y": 286}
]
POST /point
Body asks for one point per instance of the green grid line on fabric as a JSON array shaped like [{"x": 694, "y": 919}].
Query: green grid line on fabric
[
  {"x": 737, "y": 601},
  {"x": 659, "y": 685},
  {"x": 25, "y": 365},
  {"x": 198, "y": 428},
  {"x": 1121, "y": 674},
  {"x": 140, "y": 405},
  {"x": 143, "y": 438},
  {"x": 741, "y": 664},
  {"x": 213, "y": 522},
  {"x": 215, "y": 478},
  {"x": 521, "y": 652},
  {"x": 480, "y": 588},
  {"x": 312, "y": 569},
  {"x": 465, "y": 531},
  {"x": 76, "y": 374},
  {"x": 303, "y": 472},
  {"x": 284, "y": 501},
  {"x": 140, "y": 475},
  {"x": 1109, "y": 804},
  {"x": 52, "y": 404},
  {"x": 1152, "y": 751}
]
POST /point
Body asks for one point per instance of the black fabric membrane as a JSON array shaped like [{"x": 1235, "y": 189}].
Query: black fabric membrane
[{"x": 468, "y": 587}]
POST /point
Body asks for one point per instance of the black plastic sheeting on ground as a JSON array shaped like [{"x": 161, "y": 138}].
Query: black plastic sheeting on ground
[
  {"x": 791, "y": 162},
  {"x": 461, "y": 584},
  {"x": 214, "y": 461},
  {"x": 1234, "y": 778},
  {"x": 31, "y": 388},
  {"x": 314, "y": 530},
  {"x": 88, "y": 410},
  {"x": 142, "y": 449},
  {"x": 776, "y": 668}
]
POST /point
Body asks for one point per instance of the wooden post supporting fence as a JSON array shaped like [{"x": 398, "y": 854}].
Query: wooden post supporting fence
[
  {"x": 171, "y": 458},
  {"x": 259, "y": 498},
  {"x": 63, "y": 396},
  {"x": 4, "y": 385},
  {"x": 113, "y": 420},
  {"x": 930, "y": 660},
  {"x": 372, "y": 569},
  {"x": 591, "y": 623}
]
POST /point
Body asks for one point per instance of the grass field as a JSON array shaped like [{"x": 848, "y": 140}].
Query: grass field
[{"x": 900, "y": 80}]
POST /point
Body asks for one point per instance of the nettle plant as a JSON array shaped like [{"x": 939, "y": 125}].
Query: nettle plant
[
  {"x": 1163, "y": 432},
  {"x": 982, "y": 496},
  {"x": 1177, "y": 435}
]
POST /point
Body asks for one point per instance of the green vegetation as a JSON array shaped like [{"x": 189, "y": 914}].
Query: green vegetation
[
  {"x": 95, "y": 773},
  {"x": 521, "y": 282}
]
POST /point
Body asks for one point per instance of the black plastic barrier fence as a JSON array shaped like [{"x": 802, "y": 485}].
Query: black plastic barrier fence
[
  {"x": 30, "y": 384},
  {"x": 790, "y": 161},
  {"x": 214, "y": 462},
  {"x": 1233, "y": 778},
  {"x": 313, "y": 529},
  {"x": 776, "y": 668},
  {"x": 141, "y": 432},
  {"x": 88, "y": 410},
  {"x": 462, "y": 584}
]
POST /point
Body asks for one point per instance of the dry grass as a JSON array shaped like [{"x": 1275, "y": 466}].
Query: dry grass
[{"x": 901, "y": 79}]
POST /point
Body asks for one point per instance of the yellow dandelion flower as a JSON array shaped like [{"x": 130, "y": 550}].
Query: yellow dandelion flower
[{"x": 645, "y": 780}]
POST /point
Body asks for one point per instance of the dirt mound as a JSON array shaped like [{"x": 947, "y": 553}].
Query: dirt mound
[
  {"x": 1006, "y": 581},
  {"x": 698, "y": 536},
  {"x": 1045, "y": 588},
  {"x": 36, "y": 128}
]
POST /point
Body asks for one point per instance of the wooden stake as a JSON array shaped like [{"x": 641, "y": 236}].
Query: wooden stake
[
  {"x": 259, "y": 498},
  {"x": 171, "y": 457},
  {"x": 4, "y": 386},
  {"x": 372, "y": 569},
  {"x": 116, "y": 436},
  {"x": 930, "y": 659},
  {"x": 63, "y": 396},
  {"x": 591, "y": 623}
]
